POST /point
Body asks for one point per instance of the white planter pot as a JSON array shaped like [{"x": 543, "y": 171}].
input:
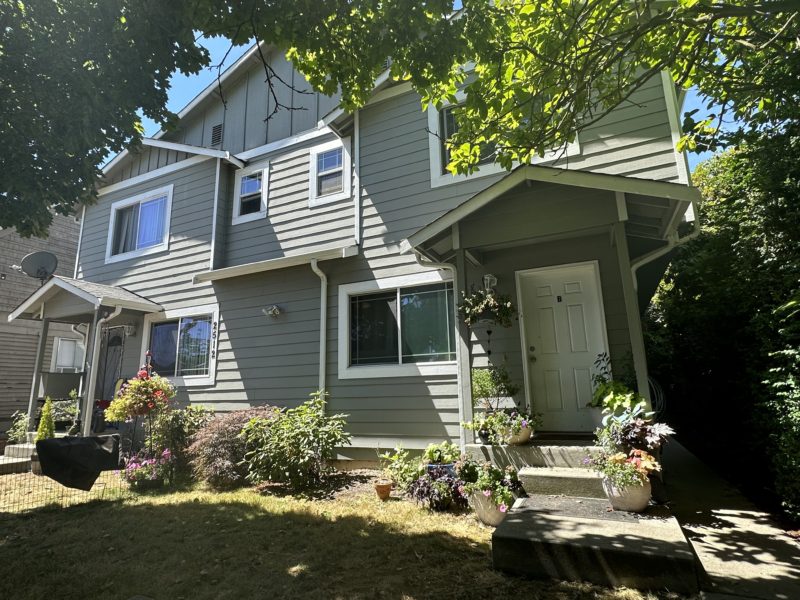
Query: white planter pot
[
  {"x": 485, "y": 510},
  {"x": 522, "y": 437},
  {"x": 634, "y": 498}
]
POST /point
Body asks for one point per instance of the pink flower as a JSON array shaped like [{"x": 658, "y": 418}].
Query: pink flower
[
  {"x": 142, "y": 374},
  {"x": 487, "y": 493},
  {"x": 502, "y": 508}
]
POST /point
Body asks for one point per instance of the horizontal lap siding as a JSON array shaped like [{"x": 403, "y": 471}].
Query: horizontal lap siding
[
  {"x": 291, "y": 225},
  {"x": 165, "y": 277}
]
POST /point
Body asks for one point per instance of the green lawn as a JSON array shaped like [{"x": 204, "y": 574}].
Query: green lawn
[{"x": 244, "y": 544}]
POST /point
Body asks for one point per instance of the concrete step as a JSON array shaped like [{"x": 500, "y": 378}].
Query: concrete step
[
  {"x": 14, "y": 465},
  {"x": 562, "y": 481},
  {"x": 19, "y": 450},
  {"x": 539, "y": 453},
  {"x": 579, "y": 539}
]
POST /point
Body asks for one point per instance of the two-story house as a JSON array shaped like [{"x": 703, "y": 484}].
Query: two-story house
[
  {"x": 261, "y": 259},
  {"x": 63, "y": 347}
]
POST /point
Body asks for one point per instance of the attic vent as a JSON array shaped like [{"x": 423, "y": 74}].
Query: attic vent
[{"x": 216, "y": 135}]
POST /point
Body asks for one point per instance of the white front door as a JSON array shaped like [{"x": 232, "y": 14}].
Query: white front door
[{"x": 563, "y": 330}]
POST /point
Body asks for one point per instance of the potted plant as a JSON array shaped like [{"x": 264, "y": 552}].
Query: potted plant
[
  {"x": 439, "y": 490},
  {"x": 401, "y": 468},
  {"x": 486, "y": 306},
  {"x": 145, "y": 471},
  {"x": 441, "y": 456},
  {"x": 626, "y": 478},
  {"x": 383, "y": 487},
  {"x": 491, "y": 490},
  {"x": 491, "y": 386}
]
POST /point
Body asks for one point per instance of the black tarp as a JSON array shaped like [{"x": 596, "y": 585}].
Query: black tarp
[{"x": 76, "y": 462}]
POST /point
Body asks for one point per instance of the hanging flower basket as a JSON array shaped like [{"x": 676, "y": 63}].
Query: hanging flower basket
[{"x": 487, "y": 306}]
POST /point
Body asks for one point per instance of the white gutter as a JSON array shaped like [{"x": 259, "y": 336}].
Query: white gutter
[
  {"x": 80, "y": 239},
  {"x": 673, "y": 242},
  {"x": 323, "y": 320},
  {"x": 462, "y": 434},
  {"x": 86, "y": 426}
]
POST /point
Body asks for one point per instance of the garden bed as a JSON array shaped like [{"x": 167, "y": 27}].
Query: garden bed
[{"x": 250, "y": 543}]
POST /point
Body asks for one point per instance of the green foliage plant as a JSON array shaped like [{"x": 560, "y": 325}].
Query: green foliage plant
[
  {"x": 47, "y": 424},
  {"x": 624, "y": 469},
  {"x": 18, "y": 433},
  {"x": 501, "y": 485},
  {"x": 490, "y": 386},
  {"x": 488, "y": 305},
  {"x": 174, "y": 430},
  {"x": 441, "y": 454},
  {"x": 401, "y": 468},
  {"x": 295, "y": 448},
  {"x": 218, "y": 449}
]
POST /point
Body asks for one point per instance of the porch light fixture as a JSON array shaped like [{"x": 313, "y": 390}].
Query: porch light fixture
[
  {"x": 272, "y": 311},
  {"x": 489, "y": 281}
]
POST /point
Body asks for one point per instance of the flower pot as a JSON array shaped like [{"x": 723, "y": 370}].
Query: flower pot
[
  {"x": 523, "y": 437},
  {"x": 633, "y": 498},
  {"x": 383, "y": 487},
  {"x": 449, "y": 467},
  {"x": 485, "y": 437},
  {"x": 486, "y": 510}
]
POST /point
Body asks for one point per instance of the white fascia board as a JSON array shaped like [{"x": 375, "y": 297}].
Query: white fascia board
[
  {"x": 276, "y": 263},
  {"x": 223, "y": 154},
  {"x": 300, "y": 138},
  {"x": 145, "y": 307},
  {"x": 34, "y": 298}
]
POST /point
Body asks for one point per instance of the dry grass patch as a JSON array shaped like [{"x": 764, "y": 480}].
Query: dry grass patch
[{"x": 244, "y": 544}]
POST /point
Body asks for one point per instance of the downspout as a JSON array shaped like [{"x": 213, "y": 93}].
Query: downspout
[
  {"x": 462, "y": 434},
  {"x": 673, "y": 242},
  {"x": 323, "y": 320},
  {"x": 90, "y": 386},
  {"x": 84, "y": 339},
  {"x": 357, "y": 178}
]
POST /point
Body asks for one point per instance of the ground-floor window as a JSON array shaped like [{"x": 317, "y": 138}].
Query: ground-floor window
[
  {"x": 401, "y": 322},
  {"x": 182, "y": 344}
]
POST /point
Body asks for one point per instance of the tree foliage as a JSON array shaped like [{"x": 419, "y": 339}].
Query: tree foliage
[
  {"x": 715, "y": 332},
  {"x": 73, "y": 73}
]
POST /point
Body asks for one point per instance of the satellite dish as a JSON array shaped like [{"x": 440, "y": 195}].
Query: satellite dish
[{"x": 40, "y": 265}]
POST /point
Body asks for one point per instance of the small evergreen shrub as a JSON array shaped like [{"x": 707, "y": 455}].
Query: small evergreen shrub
[
  {"x": 295, "y": 447},
  {"x": 47, "y": 424},
  {"x": 18, "y": 433},
  {"x": 217, "y": 452}
]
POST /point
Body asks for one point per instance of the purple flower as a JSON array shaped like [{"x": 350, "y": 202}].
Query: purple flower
[{"x": 524, "y": 423}]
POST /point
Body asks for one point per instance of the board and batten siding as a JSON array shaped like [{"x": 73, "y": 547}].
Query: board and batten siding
[{"x": 291, "y": 226}]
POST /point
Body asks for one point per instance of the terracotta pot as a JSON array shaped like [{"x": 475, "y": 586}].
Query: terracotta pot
[
  {"x": 633, "y": 498},
  {"x": 523, "y": 437},
  {"x": 383, "y": 487},
  {"x": 486, "y": 510}
]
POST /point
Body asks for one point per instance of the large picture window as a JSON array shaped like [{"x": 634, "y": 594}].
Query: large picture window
[
  {"x": 407, "y": 329},
  {"x": 139, "y": 225},
  {"x": 182, "y": 346}
]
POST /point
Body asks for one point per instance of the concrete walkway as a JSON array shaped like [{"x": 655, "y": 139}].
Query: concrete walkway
[{"x": 744, "y": 554}]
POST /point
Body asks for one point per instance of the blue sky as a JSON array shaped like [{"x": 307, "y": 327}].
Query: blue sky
[{"x": 185, "y": 88}]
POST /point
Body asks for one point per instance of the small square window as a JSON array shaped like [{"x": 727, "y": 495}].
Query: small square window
[
  {"x": 329, "y": 177},
  {"x": 250, "y": 200}
]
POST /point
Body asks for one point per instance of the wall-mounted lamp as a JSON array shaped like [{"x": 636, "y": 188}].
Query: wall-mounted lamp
[
  {"x": 272, "y": 311},
  {"x": 489, "y": 281}
]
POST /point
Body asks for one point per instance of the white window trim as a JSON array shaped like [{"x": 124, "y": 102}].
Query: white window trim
[
  {"x": 119, "y": 204},
  {"x": 264, "y": 167},
  {"x": 439, "y": 179},
  {"x": 347, "y": 173},
  {"x": 54, "y": 352},
  {"x": 346, "y": 371},
  {"x": 194, "y": 311}
]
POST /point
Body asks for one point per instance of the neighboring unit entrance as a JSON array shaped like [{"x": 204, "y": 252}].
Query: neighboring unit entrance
[{"x": 563, "y": 330}]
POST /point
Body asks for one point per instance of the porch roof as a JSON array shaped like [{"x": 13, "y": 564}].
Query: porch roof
[
  {"x": 650, "y": 208},
  {"x": 89, "y": 296}
]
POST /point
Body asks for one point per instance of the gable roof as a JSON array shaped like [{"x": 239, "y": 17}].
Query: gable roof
[{"x": 96, "y": 294}]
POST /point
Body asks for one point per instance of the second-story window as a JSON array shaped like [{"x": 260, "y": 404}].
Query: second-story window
[
  {"x": 329, "y": 172},
  {"x": 251, "y": 191},
  {"x": 139, "y": 225},
  {"x": 447, "y": 127}
]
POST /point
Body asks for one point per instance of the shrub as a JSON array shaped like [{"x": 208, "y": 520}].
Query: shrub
[
  {"x": 47, "y": 424},
  {"x": 440, "y": 454},
  {"x": 490, "y": 386},
  {"x": 294, "y": 448},
  {"x": 174, "y": 430},
  {"x": 400, "y": 468},
  {"x": 18, "y": 433},
  {"x": 217, "y": 452},
  {"x": 438, "y": 490}
]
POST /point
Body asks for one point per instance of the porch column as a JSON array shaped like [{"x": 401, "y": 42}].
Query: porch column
[
  {"x": 632, "y": 311},
  {"x": 37, "y": 370},
  {"x": 89, "y": 375},
  {"x": 463, "y": 346}
]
